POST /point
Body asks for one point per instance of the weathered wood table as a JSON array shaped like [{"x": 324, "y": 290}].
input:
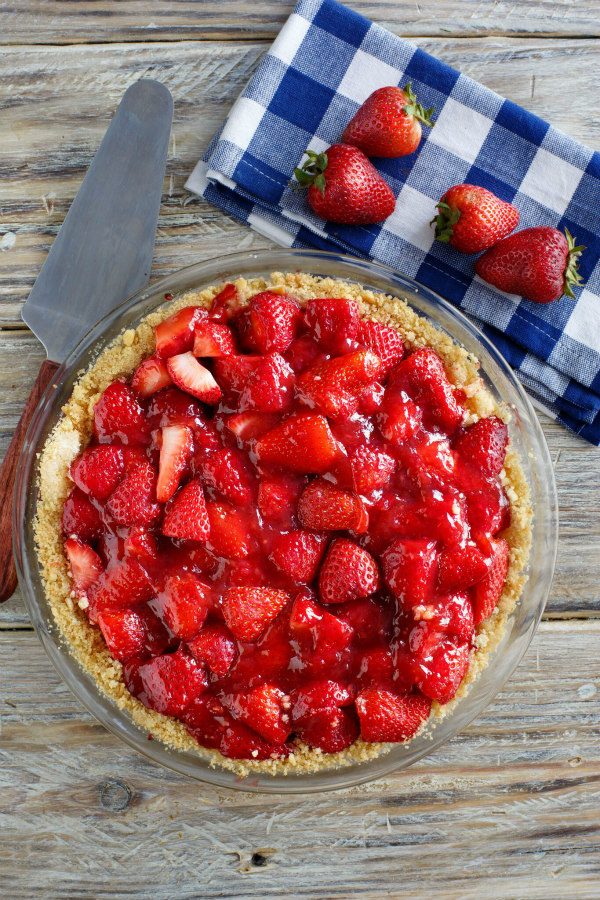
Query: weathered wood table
[{"x": 510, "y": 808}]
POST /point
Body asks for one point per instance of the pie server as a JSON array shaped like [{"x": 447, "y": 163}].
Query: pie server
[{"x": 102, "y": 255}]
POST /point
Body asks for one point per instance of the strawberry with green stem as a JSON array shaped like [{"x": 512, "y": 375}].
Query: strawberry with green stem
[{"x": 389, "y": 123}]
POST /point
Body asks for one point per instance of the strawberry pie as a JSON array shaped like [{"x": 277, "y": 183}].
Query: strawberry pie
[{"x": 281, "y": 523}]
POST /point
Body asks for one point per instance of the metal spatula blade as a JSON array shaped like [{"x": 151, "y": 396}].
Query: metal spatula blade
[{"x": 103, "y": 251}]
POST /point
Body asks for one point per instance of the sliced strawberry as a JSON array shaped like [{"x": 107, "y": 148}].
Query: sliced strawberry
[
  {"x": 278, "y": 498},
  {"x": 189, "y": 375},
  {"x": 461, "y": 568},
  {"x": 249, "y": 425},
  {"x": 176, "y": 334},
  {"x": 80, "y": 518},
  {"x": 134, "y": 500},
  {"x": 331, "y": 730},
  {"x": 118, "y": 416},
  {"x": 184, "y": 604},
  {"x": 124, "y": 631},
  {"x": 483, "y": 445},
  {"x": 125, "y": 584},
  {"x": 248, "y": 611},
  {"x": 171, "y": 682},
  {"x": 213, "y": 339},
  {"x": 348, "y": 572},
  {"x": 264, "y": 710},
  {"x": 399, "y": 418},
  {"x": 439, "y": 676},
  {"x": 396, "y": 516},
  {"x": 488, "y": 591},
  {"x": 239, "y": 742},
  {"x": 225, "y": 305},
  {"x": 368, "y": 617},
  {"x": 226, "y": 473},
  {"x": 334, "y": 323},
  {"x": 383, "y": 340},
  {"x": 487, "y": 504},
  {"x": 372, "y": 469},
  {"x": 270, "y": 386},
  {"x": 215, "y": 648},
  {"x": 423, "y": 377},
  {"x": 85, "y": 564},
  {"x": 141, "y": 543},
  {"x": 228, "y": 531},
  {"x": 385, "y": 716},
  {"x": 303, "y": 443},
  {"x": 298, "y": 554},
  {"x": 410, "y": 569},
  {"x": 335, "y": 385},
  {"x": 377, "y": 669},
  {"x": 371, "y": 398},
  {"x": 175, "y": 453},
  {"x": 305, "y": 701},
  {"x": 232, "y": 373},
  {"x": 98, "y": 470},
  {"x": 206, "y": 719},
  {"x": 303, "y": 353},
  {"x": 270, "y": 322},
  {"x": 172, "y": 407},
  {"x": 150, "y": 376},
  {"x": 324, "y": 507},
  {"x": 322, "y": 636},
  {"x": 450, "y": 616},
  {"x": 186, "y": 516}
]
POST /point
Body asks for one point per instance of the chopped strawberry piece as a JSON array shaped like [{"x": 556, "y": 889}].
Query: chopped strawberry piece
[
  {"x": 488, "y": 507},
  {"x": 80, "y": 518},
  {"x": 331, "y": 730},
  {"x": 98, "y": 470},
  {"x": 270, "y": 322},
  {"x": 334, "y": 323},
  {"x": 189, "y": 375},
  {"x": 303, "y": 353},
  {"x": 239, "y": 742},
  {"x": 206, "y": 719},
  {"x": 461, "y": 567},
  {"x": 396, "y": 516},
  {"x": 172, "y": 407},
  {"x": 450, "y": 616},
  {"x": 226, "y": 473},
  {"x": 118, "y": 416},
  {"x": 371, "y": 398},
  {"x": 335, "y": 385},
  {"x": 298, "y": 554},
  {"x": 215, "y": 648},
  {"x": 483, "y": 445},
  {"x": 213, "y": 339},
  {"x": 248, "y": 611},
  {"x": 383, "y": 341},
  {"x": 225, "y": 305},
  {"x": 488, "y": 591},
  {"x": 85, "y": 564},
  {"x": 410, "y": 569},
  {"x": 324, "y": 634},
  {"x": 150, "y": 376},
  {"x": 385, "y": 716},
  {"x": 232, "y": 373},
  {"x": 123, "y": 585},
  {"x": 141, "y": 543},
  {"x": 184, "y": 604},
  {"x": 264, "y": 710},
  {"x": 176, "y": 334},
  {"x": 377, "y": 669},
  {"x": 175, "y": 453},
  {"x": 399, "y": 418},
  {"x": 439, "y": 676},
  {"x": 314, "y": 696},
  {"x": 186, "y": 516},
  {"x": 134, "y": 500},
  {"x": 270, "y": 386},
  {"x": 124, "y": 631},
  {"x": 368, "y": 617},
  {"x": 303, "y": 443},
  {"x": 228, "y": 531},
  {"x": 423, "y": 377},
  {"x": 324, "y": 507},
  {"x": 348, "y": 572},
  {"x": 278, "y": 498},
  {"x": 249, "y": 425},
  {"x": 171, "y": 682},
  {"x": 372, "y": 469}
]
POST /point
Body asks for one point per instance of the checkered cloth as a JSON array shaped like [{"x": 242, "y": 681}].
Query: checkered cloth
[{"x": 323, "y": 65}]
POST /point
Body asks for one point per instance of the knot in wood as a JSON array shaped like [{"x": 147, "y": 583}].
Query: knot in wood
[{"x": 115, "y": 795}]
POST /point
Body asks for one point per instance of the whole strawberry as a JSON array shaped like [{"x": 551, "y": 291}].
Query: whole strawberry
[
  {"x": 388, "y": 123},
  {"x": 538, "y": 263},
  {"x": 343, "y": 186},
  {"x": 471, "y": 218}
]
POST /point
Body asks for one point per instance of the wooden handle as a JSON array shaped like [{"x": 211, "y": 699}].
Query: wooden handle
[{"x": 8, "y": 471}]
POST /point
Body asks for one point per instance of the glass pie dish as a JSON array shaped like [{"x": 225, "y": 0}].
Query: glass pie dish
[{"x": 526, "y": 438}]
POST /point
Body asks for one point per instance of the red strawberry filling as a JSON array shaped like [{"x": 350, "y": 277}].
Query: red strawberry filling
[{"x": 284, "y": 531}]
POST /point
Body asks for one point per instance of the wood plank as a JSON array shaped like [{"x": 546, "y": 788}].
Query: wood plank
[
  {"x": 57, "y": 102},
  {"x": 83, "y": 21},
  {"x": 512, "y": 802},
  {"x": 575, "y": 588}
]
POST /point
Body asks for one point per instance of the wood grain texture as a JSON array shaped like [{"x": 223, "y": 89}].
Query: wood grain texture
[
  {"x": 84, "y": 21},
  {"x": 508, "y": 809},
  {"x": 56, "y": 104}
]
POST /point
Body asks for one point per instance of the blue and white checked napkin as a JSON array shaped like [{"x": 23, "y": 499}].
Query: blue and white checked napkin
[{"x": 325, "y": 62}]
